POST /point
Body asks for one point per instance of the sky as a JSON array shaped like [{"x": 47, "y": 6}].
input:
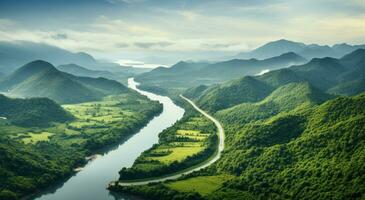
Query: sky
[{"x": 165, "y": 31}]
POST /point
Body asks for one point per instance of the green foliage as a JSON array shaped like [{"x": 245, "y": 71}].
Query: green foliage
[
  {"x": 246, "y": 89},
  {"x": 189, "y": 142},
  {"x": 32, "y": 112},
  {"x": 41, "y": 79},
  {"x": 32, "y": 158}
]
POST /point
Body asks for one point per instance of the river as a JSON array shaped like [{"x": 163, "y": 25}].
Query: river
[{"x": 90, "y": 183}]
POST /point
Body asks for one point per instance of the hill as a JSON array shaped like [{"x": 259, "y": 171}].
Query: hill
[
  {"x": 32, "y": 112},
  {"x": 246, "y": 89},
  {"x": 289, "y": 97},
  {"x": 299, "y": 152},
  {"x": 41, "y": 79},
  {"x": 184, "y": 74},
  {"x": 282, "y": 46}
]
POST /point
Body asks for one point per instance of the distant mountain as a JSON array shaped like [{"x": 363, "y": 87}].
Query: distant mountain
[
  {"x": 41, "y": 79},
  {"x": 343, "y": 76},
  {"x": 185, "y": 74},
  {"x": 77, "y": 70},
  {"x": 32, "y": 112},
  {"x": 279, "y": 47},
  {"x": 15, "y": 54}
]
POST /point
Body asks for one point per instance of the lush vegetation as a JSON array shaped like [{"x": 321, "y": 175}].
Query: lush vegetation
[
  {"x": 293, "y": 144},
  {"x": 32, "y": 157},
  {"x": 42, "y": 79},
  {"x": 32, "y": 112},
  {"x": 189, "y": 142}
]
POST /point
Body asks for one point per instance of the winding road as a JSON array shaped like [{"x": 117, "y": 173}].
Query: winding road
[{"x": 192, "y": 169}]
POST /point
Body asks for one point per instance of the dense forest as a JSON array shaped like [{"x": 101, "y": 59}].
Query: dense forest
[{"x": 295, "y": 138}]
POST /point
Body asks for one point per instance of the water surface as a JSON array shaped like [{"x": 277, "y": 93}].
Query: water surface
[{"x": 91, "y": 182}]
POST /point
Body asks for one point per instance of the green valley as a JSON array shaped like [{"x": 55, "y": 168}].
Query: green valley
[
  {"x": 189, "y": 142},
  {"x": 44, "y": 144},
  {"x": 287, "y": 136}
]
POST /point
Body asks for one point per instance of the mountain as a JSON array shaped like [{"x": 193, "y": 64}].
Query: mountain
[
  {"x": 325, "y": 73},
  {"x": 272, "y": 49},
  {"x": 32, "y": 112},
  {"x": 314, "y": 153},
  {"x": 279, "y": 47},
  {"x": 344, "y": 76},
  {"x": 195, "y": 92},
  {"x": 185, "y": 74},
  {"x": 41, "y": 79},
  {"x": 78, "y": 70},
  {"x": 286, "y": 98},
  {"x": 246, "y": 89},
  {"x": 15, "y": 54}
]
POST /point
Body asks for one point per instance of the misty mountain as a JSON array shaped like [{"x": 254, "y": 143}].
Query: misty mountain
[
  {"x": 279, "y": 47},
  {"x": 78, "y": 70},
  {"x": 344, "y": 76},
  {"x": 41, "y": 79},
  {"x": 185, "y": 74},
  {"x": 15, "y": 54}
]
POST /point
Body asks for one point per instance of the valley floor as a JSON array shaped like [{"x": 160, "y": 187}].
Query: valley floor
[
  {"x": 190, "y": 145},
  {"x": 34, "y": 157}
]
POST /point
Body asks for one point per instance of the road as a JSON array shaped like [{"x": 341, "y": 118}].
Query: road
[{"x": 190, "y": 170}]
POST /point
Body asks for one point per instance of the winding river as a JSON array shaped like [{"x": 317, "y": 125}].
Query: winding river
[{"x": 90, "y": 183}]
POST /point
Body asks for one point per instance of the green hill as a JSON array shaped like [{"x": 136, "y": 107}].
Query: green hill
[
  {"x": 195, "y": 92},
  {"x": 246, "y": 89},
  {"x": 293, "y": 96},
  {"x": 32, "y": 112},
  {"x": 316, "y": 153},
  {"x": 41, "y": 79},
  {"x": 291, "y": 145}
]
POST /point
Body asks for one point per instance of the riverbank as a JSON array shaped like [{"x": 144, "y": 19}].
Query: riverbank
[
  {"x": 118, "y": 185},
  {"x": 93, "y": 179}
]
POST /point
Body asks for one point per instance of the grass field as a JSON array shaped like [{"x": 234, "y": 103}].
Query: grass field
[
  {"x": 93, "y": 120},
  {"x": 204, "y": 185},
  {"x": 36, "y": 137},
  {"x": 177, "y": 144}
]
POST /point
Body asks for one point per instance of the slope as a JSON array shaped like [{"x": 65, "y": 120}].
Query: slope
[{"x": 41, "y": 79}]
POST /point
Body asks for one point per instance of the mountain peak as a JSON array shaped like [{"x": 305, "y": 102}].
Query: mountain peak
[{"x": 36, "y": 66}]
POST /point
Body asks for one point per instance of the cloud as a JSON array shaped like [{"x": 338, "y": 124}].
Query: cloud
[
  {"x": 147, "y": 45},
  {"x": 60, "y": 36},
  {"x": 122, "y": 45}
]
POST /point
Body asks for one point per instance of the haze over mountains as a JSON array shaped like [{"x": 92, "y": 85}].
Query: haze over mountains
[
  {"x": 342, "y": 76},
  {"x": 15, "y": 54},
  {"x": 310, "y": 51},
  {"x": 185, "y": 74}
]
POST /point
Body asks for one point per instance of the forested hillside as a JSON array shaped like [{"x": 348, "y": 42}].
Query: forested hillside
[
  {"x": 32, "y": 112},
  {"x": 287, "y": 136},
  {"x": 42, "y": 79}
]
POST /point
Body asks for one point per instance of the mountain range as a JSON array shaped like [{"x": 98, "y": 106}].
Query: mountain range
[
  {"x": 15, "y": 54},
  {"x": 185, "y": 74},
  {"x": 310, "y": 51},
  {"x": 344, "y": 76},
  {"x": 42, "y": 79}
]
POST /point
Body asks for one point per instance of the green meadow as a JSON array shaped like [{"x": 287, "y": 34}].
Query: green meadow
[{"x": 187, "y": 143}]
